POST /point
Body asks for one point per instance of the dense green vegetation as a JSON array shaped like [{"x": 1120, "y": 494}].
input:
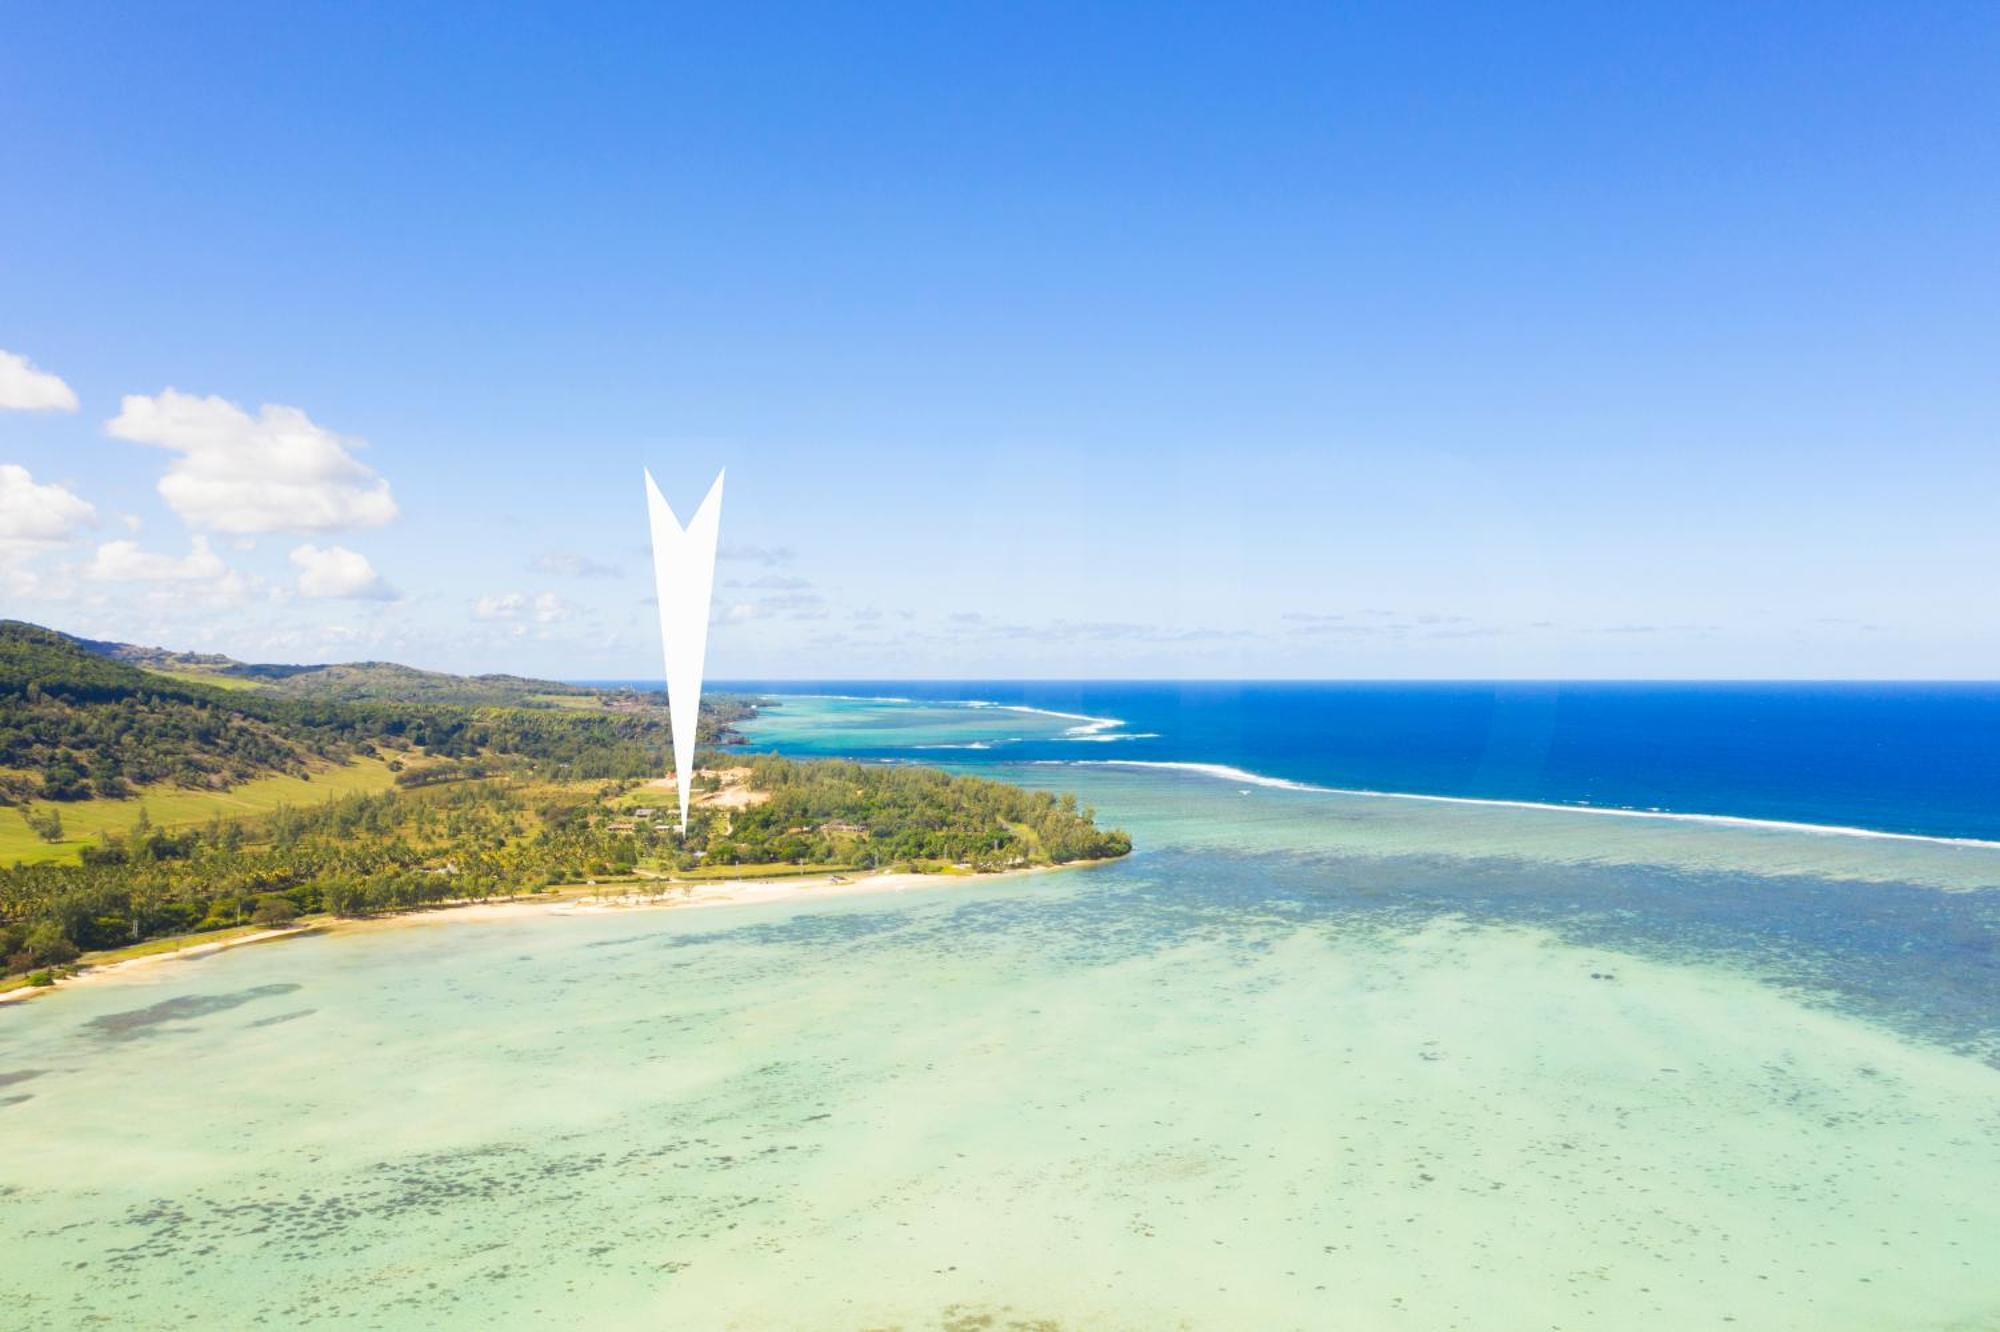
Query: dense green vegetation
[
  {"x": 77, "y": 723},
  {"x": 74, "y": 725},
  {"x": 502, "y": 785},
  {"x": 354, "y": 681},
  {"x": 512, "y": 834},
  {"x": 865, "y": 814}
]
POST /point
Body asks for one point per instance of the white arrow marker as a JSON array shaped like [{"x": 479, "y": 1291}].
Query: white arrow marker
[{"x": 684, "y": 572}]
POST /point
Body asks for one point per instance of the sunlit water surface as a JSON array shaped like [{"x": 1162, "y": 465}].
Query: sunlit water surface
[{"x": 1302, "y": 1061}]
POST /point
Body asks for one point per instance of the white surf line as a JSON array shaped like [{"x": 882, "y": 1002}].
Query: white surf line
[
  {"x": 1089, "y": 727},
  {"x": 1220, "y": 770},
  {"x": 1225, "y": 772}
]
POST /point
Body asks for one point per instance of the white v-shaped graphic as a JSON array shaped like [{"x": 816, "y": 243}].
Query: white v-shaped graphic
[{"x": 684, "y": 575}]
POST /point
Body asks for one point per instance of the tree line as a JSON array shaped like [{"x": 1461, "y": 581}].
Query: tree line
[{"x": 510, "y": 834}]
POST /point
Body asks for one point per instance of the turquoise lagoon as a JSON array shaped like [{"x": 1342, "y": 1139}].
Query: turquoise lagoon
[{"x": 1304, "y": 1060}]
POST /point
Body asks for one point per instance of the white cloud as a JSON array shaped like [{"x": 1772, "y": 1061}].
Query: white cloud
[
  {"x": 35, "y": 517},
  {"x": 125, "y": 562},
  {"x": 26, "y": 389},
  {"x": 764, "y": 555},
  {"x": 274, "y": 472},
  {"x": 231, "y": 590},
  {"x": 772, "y": 582},
  {"x": 544, "y": 608},
  {"x": 32, "y": 585},
  {"x": 786, "y": 605},
  {"x": 506, "y": 606},
  {"x": 571, "y": 565},
  {"x": 336, "y": 571}
]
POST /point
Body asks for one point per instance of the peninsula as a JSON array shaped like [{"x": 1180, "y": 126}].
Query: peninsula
[{"x": 282, "y": 792}]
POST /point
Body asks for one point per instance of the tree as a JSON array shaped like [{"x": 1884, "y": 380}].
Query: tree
[
  {"x": 44, "y": 823},
  {"x": 48, "y": 944},
  {"x": 63, "y": 780},
  {"x": 343, "y": 898},
  {"x": 274, "y": 910}
]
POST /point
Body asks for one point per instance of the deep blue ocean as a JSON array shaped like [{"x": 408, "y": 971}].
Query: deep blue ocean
[{"x": 1914, "y": 758}]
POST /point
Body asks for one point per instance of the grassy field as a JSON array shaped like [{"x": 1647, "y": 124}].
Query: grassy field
[
  {"x": 171, "y": 807},
  {"x": 214, "y": 678}
]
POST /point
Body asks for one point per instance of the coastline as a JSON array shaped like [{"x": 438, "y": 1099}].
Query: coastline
[
  {"x": 88, "y": 972},
  {"x": 567, "y": 902}
]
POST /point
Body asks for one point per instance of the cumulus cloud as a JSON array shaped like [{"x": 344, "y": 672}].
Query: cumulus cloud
[
  {"x": 764, "y": 555},
  {"x": 27, "y": 584},
  {"x": 35, "y": 517},
  {"x": 502, "y": 606},
  {"x": 568, "y": 564},
  {"x": 335, "y": 571},
  {"x": 125, "y": 562},
  {"x": 26, "y": 389},
  {"x": 785, "y": 605},
  {"x": 543, "y": 608},
  {"x": 771, "y": 583},
  {"x": 273, "y": 472}
]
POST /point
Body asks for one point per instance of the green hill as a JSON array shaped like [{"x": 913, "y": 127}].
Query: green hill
[
  {"x": 378, "y": 681},
  {"x": 75, "y": 724},
  {"x": 82, "y": 719},
  {"x": 352, "y": 681}
]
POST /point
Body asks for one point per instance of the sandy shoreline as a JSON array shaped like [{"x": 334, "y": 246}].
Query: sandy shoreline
[
  {"x": 194, "y": 951},
  {"x": 575, "y": 902}
]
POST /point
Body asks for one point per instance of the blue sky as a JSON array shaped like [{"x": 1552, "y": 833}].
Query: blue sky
[{"x": 1402, "y": 340}]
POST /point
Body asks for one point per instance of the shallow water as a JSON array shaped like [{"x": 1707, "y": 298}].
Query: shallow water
[
  {"x": 847, "y": 724},
  {"x": 1302, "y": 1061}
]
